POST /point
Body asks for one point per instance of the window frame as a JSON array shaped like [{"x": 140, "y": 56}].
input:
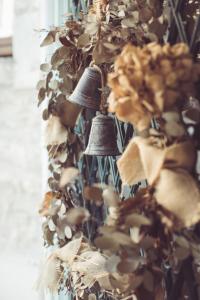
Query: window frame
[{"x": 6, "y": 46}]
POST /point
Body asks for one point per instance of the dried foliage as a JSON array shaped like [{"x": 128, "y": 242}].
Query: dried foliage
[
  {"x": 156, "y": 81},
  {"x": 145, "y": 236}
]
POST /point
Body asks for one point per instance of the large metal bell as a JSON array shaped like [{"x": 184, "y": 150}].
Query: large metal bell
[
  {"x": 103, "y": 138},
  {"x": 87, "y": 92}
]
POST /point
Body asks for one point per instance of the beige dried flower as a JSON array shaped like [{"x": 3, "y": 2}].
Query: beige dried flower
[{"x": 150, "y": 80}]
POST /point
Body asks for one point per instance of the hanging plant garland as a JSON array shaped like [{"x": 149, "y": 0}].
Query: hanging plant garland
[{"x": 139, "y": 234}]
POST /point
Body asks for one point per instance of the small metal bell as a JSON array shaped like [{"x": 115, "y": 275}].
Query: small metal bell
[
  {"x": 87, "y": 92},
  {"x": 103, "y": 138}
]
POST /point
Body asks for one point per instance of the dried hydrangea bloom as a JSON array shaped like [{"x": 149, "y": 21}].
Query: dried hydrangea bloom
[{"x": 150, "y": 80}]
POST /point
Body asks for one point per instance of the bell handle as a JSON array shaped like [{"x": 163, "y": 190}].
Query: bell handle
[{"x": 103, "y": 99}]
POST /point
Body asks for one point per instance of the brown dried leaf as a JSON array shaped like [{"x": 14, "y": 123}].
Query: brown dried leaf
[
  {"x": 122, "y": 238},
  {"x": 49, "y": 39},
  {"x": 145, "y": 14},
  {"x": 68, "y": 175},
  {"x": 83, "y": 40},
  {"x": 137, "y": 220},
  {"x": 45, "y": 114},
  {"x": 77, "y": 216},
  {"x": 41, "y": 84},
  {"x": 181, "y": 253},
  {"x": 65, "y": 41},
  {"x": 182, "y": 242},
  {"x": 41, "y": 95},
  {"x": 49, "y": 198},
  {"x": 68, "y": 112},
  {"x": 128, "y": 265},
  {"x": 93, "y": 194},
  {"x": 157, "y": 28},
  {"x": 129, "y": 22},
  {"x": 45, "y": 67},
  {"x": 106, "y": 242},
  {"x": 148, "y": 281},
  {"x": 175, "y": 129}
]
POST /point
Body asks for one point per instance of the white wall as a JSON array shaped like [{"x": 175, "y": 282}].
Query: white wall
[
  {"x": 20, "y": 158},
  {"x": 26, "y": 43}
]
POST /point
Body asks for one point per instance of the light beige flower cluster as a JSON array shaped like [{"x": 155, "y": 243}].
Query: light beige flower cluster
[{"x": 147, "y": 81}]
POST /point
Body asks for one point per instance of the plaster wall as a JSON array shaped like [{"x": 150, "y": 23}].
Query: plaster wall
[{"x": 20, "y": 158}]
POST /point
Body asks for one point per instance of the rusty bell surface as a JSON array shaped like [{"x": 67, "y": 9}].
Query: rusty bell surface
[
  {"x": 103, "y": 137},
  {"x": 88, "y": 90}
]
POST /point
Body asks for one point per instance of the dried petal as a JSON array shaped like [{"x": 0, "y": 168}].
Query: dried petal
[
  {"x": 184, "y": 197},
  {"x": 68, "y": 175}
]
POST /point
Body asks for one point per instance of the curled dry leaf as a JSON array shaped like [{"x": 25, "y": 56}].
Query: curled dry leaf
[
  {"x": 68, "y": 175},
  {"x": 77, "y": 216},
  {"x": 183, "y": 200},
  {"x": 47, "y": 202},
  {"x": 49, "y": 39},
  {"x": 55, "y": 133}
]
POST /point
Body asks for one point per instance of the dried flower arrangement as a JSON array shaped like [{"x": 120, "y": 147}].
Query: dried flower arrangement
[{"x": 146, "y": 235}]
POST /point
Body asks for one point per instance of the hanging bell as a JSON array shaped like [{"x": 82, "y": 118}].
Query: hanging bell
[
  {"x": 87, "y": 92},
  {"x": 103, "y": 138}
]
